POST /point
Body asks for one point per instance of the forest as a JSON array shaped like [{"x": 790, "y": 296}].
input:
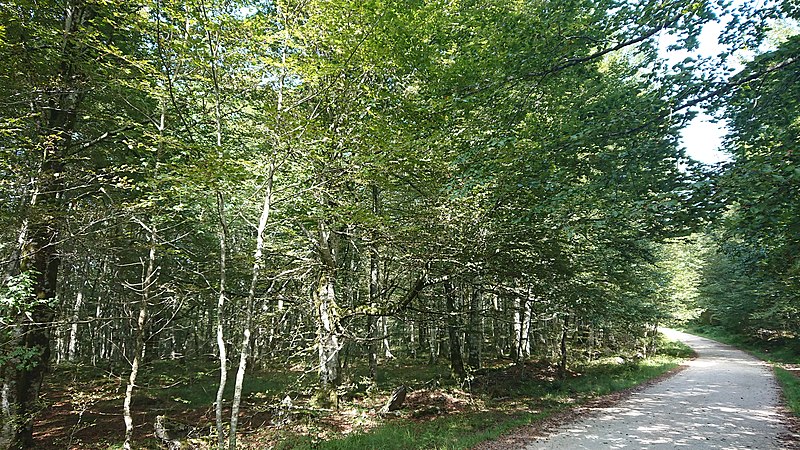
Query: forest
[{"x": 323, "y": 196}]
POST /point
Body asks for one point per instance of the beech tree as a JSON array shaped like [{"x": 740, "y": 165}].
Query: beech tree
[
  {"x": 751, "y": 280},
  {"x": 321, "y": 181}
]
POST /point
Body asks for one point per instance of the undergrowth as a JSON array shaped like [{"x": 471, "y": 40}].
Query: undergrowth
[
  {"x": 528, "y": 398},
  {"x": 790, "y": 384},
  {"x": 439, "y": 413}
]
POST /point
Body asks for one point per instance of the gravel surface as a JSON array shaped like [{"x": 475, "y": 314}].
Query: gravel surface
[{"x": 725, "y": 399}]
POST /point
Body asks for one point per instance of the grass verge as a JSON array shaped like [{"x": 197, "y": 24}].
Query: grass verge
[
  {"x": 790, "y": 384},
  {"x": 449, "y": 432}
]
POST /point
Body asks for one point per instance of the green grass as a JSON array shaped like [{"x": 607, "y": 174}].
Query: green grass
[
  {"x": 456, "y": 431},
  {"x": 193, "y": 384},
  {"x": 202, "y": 391},
  {"x": 790, "y": 384}
]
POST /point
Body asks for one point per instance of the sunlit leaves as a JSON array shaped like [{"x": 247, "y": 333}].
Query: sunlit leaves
[{"x": 756, "y": 271}]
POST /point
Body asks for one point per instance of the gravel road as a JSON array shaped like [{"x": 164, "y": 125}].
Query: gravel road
[{"x": 726, "y": 399}]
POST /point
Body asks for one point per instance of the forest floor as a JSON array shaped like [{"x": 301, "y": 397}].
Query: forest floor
[
  {"x": 84, "y": 404},
  {"x": 726, "y": 398}
]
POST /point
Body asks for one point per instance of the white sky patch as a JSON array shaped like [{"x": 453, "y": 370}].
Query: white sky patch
[{"x": 702, "y": 139}]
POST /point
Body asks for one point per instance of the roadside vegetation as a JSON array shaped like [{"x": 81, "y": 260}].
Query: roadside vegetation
[
  {"x": 277, "y": 411},
  {"x": 247, "y": 222}
]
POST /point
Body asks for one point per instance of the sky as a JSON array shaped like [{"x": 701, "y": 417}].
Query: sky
[{"x": 702, "y": 138}]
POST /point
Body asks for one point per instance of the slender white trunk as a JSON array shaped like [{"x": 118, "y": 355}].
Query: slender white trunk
[
  {"x": 374, "y": 291},
  {"x": 148, "y": 278},
  {"x": 433, "y": 344},
  {"x": 412, "y": 339},
  {"x": 387, "y": 350},
  {"x": 73, "y": 332},
  {"x": 517, "y": 329},
  {"x": 525, "y": 345},
  {"x": 245, "y": 350},
  {"x": 497, "y": 338},
  {"x": 213, "y": 48},
  {"x": 126, "y": 408},
  {"x": 223, "y": 356},
  {"x": 328, "y": 348}
]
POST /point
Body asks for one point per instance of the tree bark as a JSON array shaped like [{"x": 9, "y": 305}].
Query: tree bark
[
  {"x": 258, "y": 265},
  {"x": 412, "y": 340},
  {"x": 223, "y": 355},
  {"x": 525, "y": 329},
  {"x": 148, "y": 279},
  {"x": 387, "y": 350},
  {"x": 374, "y": 293},
  {"x": 562, "y": 367},
  {"x": 39, "y": 256},
  {"x": 372, "y": 346},
  {"x": 327, "y": 335},
  {"x": 433, "y": 343},
  {"x": 72, "y": 346},
  {"x": 456, "y": 359},
  {"x": 474, "y": 332},
  {"x": 516, "y": 331}
]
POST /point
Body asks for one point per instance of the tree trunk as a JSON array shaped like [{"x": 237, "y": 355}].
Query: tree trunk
[
  {"x": 223, "y": 355},
  {"x": 474, "y": 332},
  {"x": 516, "y": 331},
  {"x": 497, "y": 326},
  {"x": 372, "y": 346},
  {"x": 562, "y": 367},
  {"x": 433, "y": 341},
  {"x": 39, "y": 257},
  {"x": 73, "y": 331},
  {"x": 422, "y": 335},
  {"x": 257, "y": 266},
  {"x": 328, "y": 339},
  {"x": 412, "y": 338},
  {"x": 148, "y": 279},
  {"x": 525, "y": 329},
  {"x": 456, "y": 360},
  {"x": 374, "y": 292},
  {"x": 387, "y": 350}
]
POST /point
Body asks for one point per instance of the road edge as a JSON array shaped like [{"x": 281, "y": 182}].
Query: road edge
[{"x": 522, "y": 436}]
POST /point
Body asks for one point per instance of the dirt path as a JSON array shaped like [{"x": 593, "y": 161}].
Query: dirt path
[{"x": 726, "y": 399}]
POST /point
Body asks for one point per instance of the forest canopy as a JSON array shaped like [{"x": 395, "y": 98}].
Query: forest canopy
[{"x": 285, "y": 183}]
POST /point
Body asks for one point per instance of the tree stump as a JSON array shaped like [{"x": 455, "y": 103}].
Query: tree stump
[{"x": 395, "y": 401}]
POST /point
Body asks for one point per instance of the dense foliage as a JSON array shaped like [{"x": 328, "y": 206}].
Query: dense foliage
[
  {"x": 312, "y": 183},
  {"x": 752, "y": 279}
]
